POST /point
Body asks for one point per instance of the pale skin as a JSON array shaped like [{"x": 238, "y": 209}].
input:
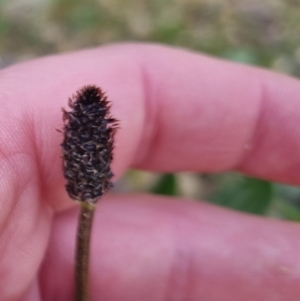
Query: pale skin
[{"x": 178, "y": 111}]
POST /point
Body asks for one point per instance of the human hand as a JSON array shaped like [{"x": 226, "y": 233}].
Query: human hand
[{"x": 178, "y": 111}]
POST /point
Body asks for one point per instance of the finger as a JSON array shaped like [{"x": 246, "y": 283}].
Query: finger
[
  {"x": 153, "y": 248},
  {"x": 24, "y": 224},
  {"x": 32, "y": 112},
  {"x": 210, "y": 115},
  {"x": 177, "y": 110},
  {"x": 33, "y": 293}
]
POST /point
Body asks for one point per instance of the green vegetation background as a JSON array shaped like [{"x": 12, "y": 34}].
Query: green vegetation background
[{"x": 264, "y": 33}]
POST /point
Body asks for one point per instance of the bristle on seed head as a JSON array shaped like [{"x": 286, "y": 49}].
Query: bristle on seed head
[{"x": 88, "y": 145}]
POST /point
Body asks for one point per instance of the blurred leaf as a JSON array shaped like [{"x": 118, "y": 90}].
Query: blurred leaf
[
  {"x": 241, "y": 56},
  {"x": 250, "y": 56},
  {"x": 247, "y": 194},
  {"x": 167, "y": 32},
  {"x": 288, "y": 211},
  {"x": 2, "y": 2},
  {"x": 167, "y": 185},
  {"x": 84, "y": 16},
  {"x": 4, "y": 26}
]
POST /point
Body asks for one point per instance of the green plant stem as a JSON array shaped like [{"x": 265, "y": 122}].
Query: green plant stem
[{"x": 83, "y": 251}]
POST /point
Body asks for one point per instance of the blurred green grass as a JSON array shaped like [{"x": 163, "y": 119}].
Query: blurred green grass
[{"x": 263, "y": 33}]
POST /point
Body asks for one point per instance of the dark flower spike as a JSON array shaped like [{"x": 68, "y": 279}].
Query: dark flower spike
[{"x": 88, "y": 145}]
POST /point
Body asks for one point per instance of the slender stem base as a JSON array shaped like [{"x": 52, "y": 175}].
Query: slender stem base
[{"x": 82, "y": 252}]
